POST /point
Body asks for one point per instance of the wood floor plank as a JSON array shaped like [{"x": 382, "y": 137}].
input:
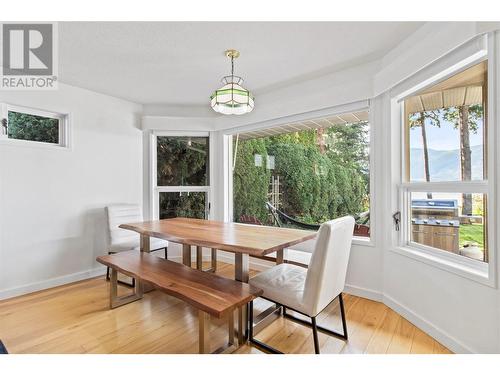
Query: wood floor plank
[
  {"x": 422, "y": 343},
  {"x": 370, "y": 317},
  {"x": 379, "y": 342},
  {"x": 75, "y": 318},
  {"x": 402, "y": 339}
]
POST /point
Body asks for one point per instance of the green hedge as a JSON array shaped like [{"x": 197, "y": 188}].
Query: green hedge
[
  {"x": 316, "y": 187},
  {"x": 250, "y": 183}
]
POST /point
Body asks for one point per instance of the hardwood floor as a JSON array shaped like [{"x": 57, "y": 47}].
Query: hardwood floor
[{"x": 75, "y": 318}]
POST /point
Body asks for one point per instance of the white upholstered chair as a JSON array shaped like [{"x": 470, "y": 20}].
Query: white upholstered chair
[
  {"x": 309, "y": 291},
  {"x": 124, "y": 240}
]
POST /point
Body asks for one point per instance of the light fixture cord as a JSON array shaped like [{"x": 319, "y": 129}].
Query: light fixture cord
[{"x": 232, "y": 80}]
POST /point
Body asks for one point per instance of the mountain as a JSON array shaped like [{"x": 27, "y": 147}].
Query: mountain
[{"x": 444, "y": 165}]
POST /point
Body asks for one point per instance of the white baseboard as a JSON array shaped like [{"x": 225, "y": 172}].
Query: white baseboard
[
  {"x": 358, "y": 291},
  {"x": 51, "y": 283},
  {"x": 438, "y": 334}
]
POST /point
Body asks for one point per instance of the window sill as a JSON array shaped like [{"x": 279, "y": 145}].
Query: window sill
[
  {"x": 363, "y": 241},
  {"x": 33, "y": 144},
  {"x": 473, "y": 270}
]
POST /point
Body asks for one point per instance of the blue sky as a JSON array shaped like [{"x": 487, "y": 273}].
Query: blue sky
[{"x": 444, "y": 138}]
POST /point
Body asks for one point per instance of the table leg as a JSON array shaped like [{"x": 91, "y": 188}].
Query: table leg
[
  {"x": 199, "y": 258},
  {"x": 145, "y": 248},
  {"x": 214, "y": 260},
  {"x": 186, "y": 255},
  {"x": 145, "y": 243},
  {"x": 279, "y": 256},
  {"x": 241, "y": 268}
]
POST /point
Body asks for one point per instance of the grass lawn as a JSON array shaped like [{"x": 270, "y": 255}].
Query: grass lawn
[{"x": 471, "y": 233}]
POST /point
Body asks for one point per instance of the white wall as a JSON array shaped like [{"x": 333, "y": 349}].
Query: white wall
[
  {"x": 52, "y": 201},
  {"x": 461, "y": 313}
]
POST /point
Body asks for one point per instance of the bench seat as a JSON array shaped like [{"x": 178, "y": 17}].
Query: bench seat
[{"x": 212, "y": 295}]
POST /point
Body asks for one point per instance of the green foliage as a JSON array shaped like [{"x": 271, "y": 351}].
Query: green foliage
[
  {"x": 316, "y": 185},
  {"x": 472, "y": 233},
  {"x": 33, "y": 128},
  {"x": 173, "y": 204},
  {"x": 250, "y": 183},
  {"x": 475, "y": 112},
  {"x": 182, "y": 161}
]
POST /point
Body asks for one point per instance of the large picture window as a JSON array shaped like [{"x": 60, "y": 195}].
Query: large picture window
[
  {"x": 304, "y": 173},
  {"x": 446, "y": 185},
  {"x": 182, "y": 176}
]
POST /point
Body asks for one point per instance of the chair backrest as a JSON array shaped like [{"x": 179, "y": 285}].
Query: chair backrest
[
  {"x": 328, "y": 266},
  {"x": 121, "y": 214}
]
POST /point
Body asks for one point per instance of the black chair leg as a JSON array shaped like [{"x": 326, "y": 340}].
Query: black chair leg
[
  {"x": 342, "y": 314},
  {"x": 258, "y": 344},
  {"x": 166, "y": 252},
  {"x": 315, "y": 335},
  {"x": 107, "y": 273}
]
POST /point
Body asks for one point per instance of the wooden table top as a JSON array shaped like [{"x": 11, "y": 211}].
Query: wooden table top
[
  {"x": 237, "y": 238},
  {"x": 213, "y": 294}
]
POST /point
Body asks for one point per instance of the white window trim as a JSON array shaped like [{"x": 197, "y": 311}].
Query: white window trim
[
  {"x": 484, "y": 273},
  {"x": 332, "y": 111},
  {"x": 156, "y": 190},
  {"x": 64, "y": 127}
]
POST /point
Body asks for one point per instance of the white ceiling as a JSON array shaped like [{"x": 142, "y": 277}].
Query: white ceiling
[{"x": 181, "y": 63}]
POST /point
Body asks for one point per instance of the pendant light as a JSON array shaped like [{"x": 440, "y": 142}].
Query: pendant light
[{"x": 232, "y": 98}]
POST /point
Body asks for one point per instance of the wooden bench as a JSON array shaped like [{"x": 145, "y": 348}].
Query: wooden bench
[{"x": 212, "y": 295}]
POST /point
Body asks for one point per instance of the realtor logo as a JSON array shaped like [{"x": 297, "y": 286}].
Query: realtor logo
[{"x": 29, "y": 57}]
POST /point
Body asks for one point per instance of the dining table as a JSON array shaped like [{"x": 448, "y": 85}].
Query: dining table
[{"x": 243, "y": 240}]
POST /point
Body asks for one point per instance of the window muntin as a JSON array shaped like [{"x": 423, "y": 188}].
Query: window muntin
[
  {"x": 449, "y": 152},
  {"x": 312, "y": 175}
]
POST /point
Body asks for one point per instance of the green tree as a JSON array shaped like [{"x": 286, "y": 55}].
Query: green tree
[
  {"x": 182, "y": 161},
  {"x": 250, "y": 182},
  {"x": 418, "y": 120},
  {"x": 466, "y": 119},
  {"x": 33, "y": 128}
]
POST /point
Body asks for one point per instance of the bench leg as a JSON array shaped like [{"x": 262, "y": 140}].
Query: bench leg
[
  {"x": 115, "y": 300},
  {"x": 203, "y": 332}
]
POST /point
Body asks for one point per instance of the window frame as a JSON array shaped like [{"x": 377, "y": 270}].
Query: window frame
[
  {"x": 332, "y": 111},
  {"x": 481, "y": 272},
  {"x": 63, "y": 131},
  {"x": 157, "y": 189}
]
